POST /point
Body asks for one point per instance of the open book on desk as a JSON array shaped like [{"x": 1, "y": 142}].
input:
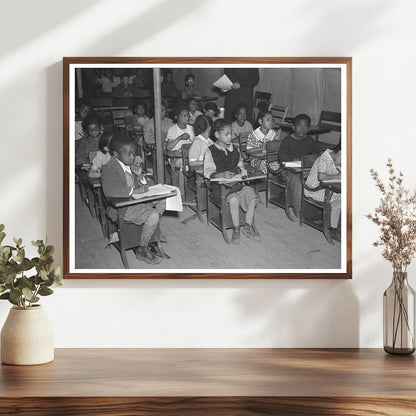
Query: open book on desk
[
  {"x": 238, "y": 178},
  {"x": 154, "y": 190}
]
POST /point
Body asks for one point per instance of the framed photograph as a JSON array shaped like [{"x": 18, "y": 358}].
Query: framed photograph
[{"x": 231, "y": 168}]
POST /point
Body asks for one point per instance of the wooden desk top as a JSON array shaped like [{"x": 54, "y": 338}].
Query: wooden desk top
[
  {"x": 214, "y": 372},
  {"x": 355, "y": 380}
]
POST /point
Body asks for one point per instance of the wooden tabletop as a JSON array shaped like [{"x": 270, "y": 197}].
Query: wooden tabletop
[{"x": 265, "y": 379}]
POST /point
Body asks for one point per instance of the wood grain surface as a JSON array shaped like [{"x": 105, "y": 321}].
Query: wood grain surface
[{"x": 212, "y": 381}]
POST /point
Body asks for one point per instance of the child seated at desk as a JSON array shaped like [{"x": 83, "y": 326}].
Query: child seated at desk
[
  {"x": 191, "y": 88},
  {"x": 293, "y": 147},
  {"x": 149, "y": 126},
  {"x": 179, "y": 134},
  {"x": 101, "y": 157},
  {"x": 201, "y": 141},
  {"x": 257, "y": 139},
  {"x": 223, "y": 160},
  {"x": 139, "y": 110},
  {"x": 211, "y": 110},
  {"x": 83, "y": 110},
  {"x": 88, "y": 143},
  {"x": 241, "y": 127},
  {"x": 169, "y": 88},
  {"x": 326, "y": 167},
  {"x": 121, "y": 178},
  {"x": 193, "y": 111}
]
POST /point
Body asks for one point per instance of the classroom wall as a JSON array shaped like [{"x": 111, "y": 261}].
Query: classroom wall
[{"x": 378, "y": 34}]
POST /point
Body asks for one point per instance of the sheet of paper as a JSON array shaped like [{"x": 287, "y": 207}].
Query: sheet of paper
[
  {"x": 224, "y": 83},
  {"x": 158, "y": 189},
  {"x": 293, "y": 164},
  {"x": 174, "y": 203}
]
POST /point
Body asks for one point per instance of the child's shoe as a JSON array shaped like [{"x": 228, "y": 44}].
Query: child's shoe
[
  {"x": 144, "y": 254},
  {"x": 256, "y": 234},
  {"x": 247, "y": 230},
  {"x": 235, "y": 239}
]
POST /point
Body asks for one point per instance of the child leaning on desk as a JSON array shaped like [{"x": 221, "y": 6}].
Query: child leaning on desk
[
  {"x": 121, "y": 178},
  {"x": 327, "y": 167},
  {"x": 223, "y": 160},
  {"x": 257, "y": 139}
]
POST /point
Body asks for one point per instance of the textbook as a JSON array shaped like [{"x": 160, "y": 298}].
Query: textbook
[
  {"x": 224, "y": 83},
  {"x": 158, "y": 189}
]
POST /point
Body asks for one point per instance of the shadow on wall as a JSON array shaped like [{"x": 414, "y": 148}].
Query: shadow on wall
[
  {"x": 301, "y": 314},
  {"x": 127, "y": 35},
  {"x": 131, "y": 33},
  {"x": 40, "y": 15}
]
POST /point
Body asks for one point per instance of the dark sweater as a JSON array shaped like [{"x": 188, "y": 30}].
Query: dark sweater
[
  {"x": 225, "y": 160},
  {"x": 294, "y": 149}
]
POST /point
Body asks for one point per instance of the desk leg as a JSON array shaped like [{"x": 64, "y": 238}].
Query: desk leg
[
  {"x": 122, "y": 243},
  {"x": 103, "y": 217},
  {"x": 327, "y": 216},
  {"x": 90, "y": 195}
]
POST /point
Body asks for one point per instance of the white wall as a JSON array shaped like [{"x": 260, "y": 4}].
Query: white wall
[{"x": 378, "y": 34}]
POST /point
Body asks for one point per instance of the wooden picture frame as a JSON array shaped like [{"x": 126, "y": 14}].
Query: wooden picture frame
[{"x": 331, "y": 78}]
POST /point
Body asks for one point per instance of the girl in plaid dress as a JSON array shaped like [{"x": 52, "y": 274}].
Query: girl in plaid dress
[{"x": 256, "y": 142}]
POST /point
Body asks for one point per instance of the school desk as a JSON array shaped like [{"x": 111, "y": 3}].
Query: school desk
[
  {"x": 218, "y": 211},
  {"x": 128, "y": 236}
]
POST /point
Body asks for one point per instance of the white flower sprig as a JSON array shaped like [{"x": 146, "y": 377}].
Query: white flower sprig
[{"x": 396, "y": 216}]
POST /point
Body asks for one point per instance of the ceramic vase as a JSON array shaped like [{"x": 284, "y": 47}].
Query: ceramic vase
[{"x": 27, "y": 337}]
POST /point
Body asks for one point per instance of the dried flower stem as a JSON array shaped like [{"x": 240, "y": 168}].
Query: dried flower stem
[{"x": 396, "y": 216}]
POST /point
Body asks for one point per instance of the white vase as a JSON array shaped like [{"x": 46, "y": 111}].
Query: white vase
[{"x": 27, "y": 337}]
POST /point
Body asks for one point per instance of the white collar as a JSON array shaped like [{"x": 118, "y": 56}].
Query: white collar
[
  {"x": 230, "y": 148},
  {"x": 204, "y": 139},
  {"x": 124, "y": 167},
  {"x": 260, "y": 134}
]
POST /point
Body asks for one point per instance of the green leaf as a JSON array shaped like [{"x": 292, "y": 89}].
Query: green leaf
[
  {"x": 25, "y": 282},
  {"x": 17, "y": 241},
  {"x": 49, "y": 250},
  {"x": 57, "y": 276},
  {"x": 45, "y": 291},
  {"x": 26, "y": 264},
  {"x": 2, "y": 288},
  {"x": 21, "y": 255},
  {"x": 2, "y": 236},
  {"x": 43, "y": 275},
  {"x": 27, "y": 293},
  {"x": 8, "y": 277},
  {"x": 1, "y": 227},
  {"x": 15, "y": 294}
]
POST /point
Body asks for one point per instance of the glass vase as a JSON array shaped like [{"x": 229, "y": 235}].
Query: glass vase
[{"x": 399, "y": 316}]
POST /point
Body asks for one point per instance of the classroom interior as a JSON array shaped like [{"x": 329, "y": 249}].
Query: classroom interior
[{"x": 196, "y": 239}]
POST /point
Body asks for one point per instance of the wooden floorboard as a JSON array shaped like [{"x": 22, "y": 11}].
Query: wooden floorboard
[{"x": 284, "y": 244}]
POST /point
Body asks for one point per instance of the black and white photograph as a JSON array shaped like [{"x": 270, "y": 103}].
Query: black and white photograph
[{"x": 214, "y": 167}]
